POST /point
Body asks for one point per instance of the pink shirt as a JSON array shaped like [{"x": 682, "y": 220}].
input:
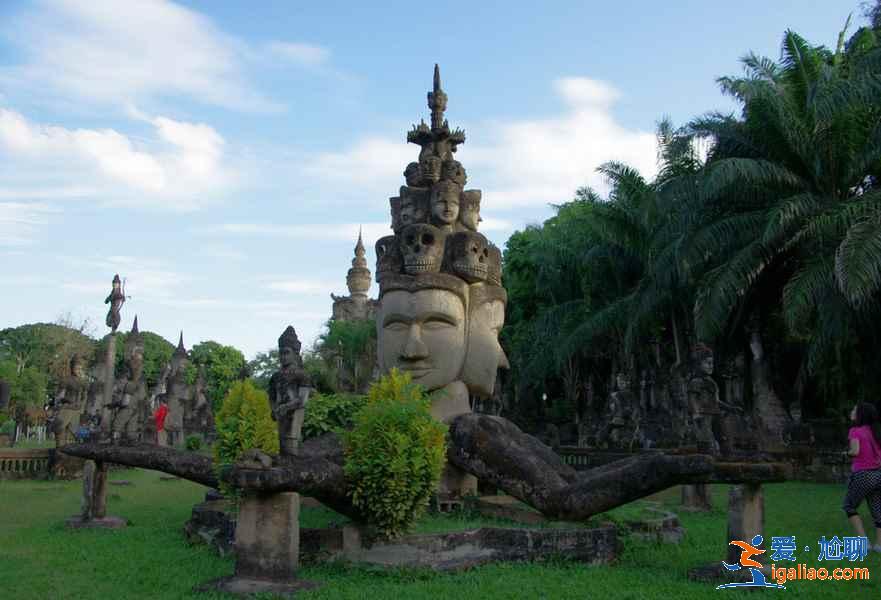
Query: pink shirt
[{"x": 869, "y": 457}]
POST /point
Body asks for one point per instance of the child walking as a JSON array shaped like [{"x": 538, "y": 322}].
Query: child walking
[{"x": 865, "y": 477}]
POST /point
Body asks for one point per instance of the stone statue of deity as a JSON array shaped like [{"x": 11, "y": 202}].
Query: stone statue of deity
[
  {"x": 116, "y": 299},
  {"x": 441, "y": 303},
  {"x": 128, "y": 408},
  {"x": 70, "y": 402},
  {"x": 623, "y": 413},
  {"x": 703, "y": 399},
  {"x": 289, "y": 390},
  {"x": 200, "y": 416}
]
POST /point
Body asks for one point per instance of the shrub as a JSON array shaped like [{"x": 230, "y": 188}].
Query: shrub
[
  {"x": 244, "y": 421},
  {"x": 331, "y": 412},
  {"x": 194, "y": 442},
  {"x": 394, "y": 455},
  {"x": 8, "y": 427}
]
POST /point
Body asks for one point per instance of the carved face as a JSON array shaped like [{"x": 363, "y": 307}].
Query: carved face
[
  {"x": 411, "y": 174},
  {"x": 413, "y": 209},
  {"x": 452, "y": 170},
  {"x": 706, "y": 365},
  {"x": 469, "y": 211},
  {"x": 430, "y": 169},
  {"x": 287, "y": 356},
  {"x": 622, "y": 381},
  {"x": 78, "y": 368},
  {"x": 494, "y": 265},
  {"x": 485, "y": 355},
  {"x": 136, "y": 362},
  {"x": 422, "y": 247},
  {"x": 388, "y": 257},
  {"x": 445, "y": 204},
  {"x": 469, "y": 254},
  {"x": 422, "y": 333}
]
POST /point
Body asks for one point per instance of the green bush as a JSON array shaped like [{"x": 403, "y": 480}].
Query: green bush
[
  {"x": 244, "y": 421},
  {"x": 8, "y": 427},
  {"x": 331, "y": 412},
  {"x": 193, "y": 442},
  {"x": 394, "y": 455}
]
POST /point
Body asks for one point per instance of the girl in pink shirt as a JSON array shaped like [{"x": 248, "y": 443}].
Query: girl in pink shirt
[{"x": 865, "y": 477}]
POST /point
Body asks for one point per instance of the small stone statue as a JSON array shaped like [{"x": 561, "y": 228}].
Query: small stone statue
[
  {"x": 624, "y": 413},
  {"x": 289, "y": 390},
  {"x": 703, "y": 399},
  {"x": 69, "y": 402},
  {"x": 129, "y": 405},
  {"x": 116, "y": 299}
]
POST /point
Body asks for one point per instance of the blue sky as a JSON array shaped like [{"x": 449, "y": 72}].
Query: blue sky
[{"x": 222, "y": 155}]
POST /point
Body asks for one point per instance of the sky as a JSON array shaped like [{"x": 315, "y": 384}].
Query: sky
[{"x": 221, "y": 156}]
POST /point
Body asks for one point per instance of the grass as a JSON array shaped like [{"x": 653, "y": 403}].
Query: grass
[{"x": 40, "y": 559}]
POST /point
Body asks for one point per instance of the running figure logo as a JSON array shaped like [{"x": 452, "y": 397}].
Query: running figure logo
[{"x": 747, "y": 562}]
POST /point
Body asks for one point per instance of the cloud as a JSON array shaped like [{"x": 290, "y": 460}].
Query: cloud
[
  {"x": 307, "y": 55},
  {"x": 116, "y": 52},
  {"x": 19, "y": 221},
  {"x": 302, "y": 286},
  {"x": 315, "y": 231},
  {"x": 181, "y": 162}
]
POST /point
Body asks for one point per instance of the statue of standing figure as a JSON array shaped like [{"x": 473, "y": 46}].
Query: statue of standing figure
[
  {"x": 703, "y": 399},
  {"x": 289, "y": 390},
  {"x": 624, "y": 413},
  {"x": 69, "y": 402},
  {"x": 129, "y": 405},
  {"x": 116, "y": 299}
]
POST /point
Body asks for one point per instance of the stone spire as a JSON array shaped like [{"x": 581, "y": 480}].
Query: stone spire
[
  {"x": 358, "y": 277},
  {"x": 135, "y": 326},
  {"x": 180, "y": 350}
]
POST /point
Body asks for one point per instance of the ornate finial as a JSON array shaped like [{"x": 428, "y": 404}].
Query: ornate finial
[
  {"x": 437, "y": 101},
  {"x": 358, "y": 277},
  {"x": 180, "y": 350},
  {"x": 135, "y": 326},
  {"x": 289, "y": 339}
]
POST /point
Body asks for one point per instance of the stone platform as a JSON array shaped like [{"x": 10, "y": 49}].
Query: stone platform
[{"x": 241, "y": 586}]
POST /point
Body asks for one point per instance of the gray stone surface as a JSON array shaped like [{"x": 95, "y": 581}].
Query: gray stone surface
[{"x": 267, "y": 539}]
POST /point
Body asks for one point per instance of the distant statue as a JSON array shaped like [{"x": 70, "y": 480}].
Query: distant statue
[
  {"x": 129, "y": 405},
  {"x": 624, "y": 413},
  {"x": 69, "y": 402},
  {"x": 703, "y": 399},
  {"x": 289, "y": 390},
  {"x": 116, "y": 299}
]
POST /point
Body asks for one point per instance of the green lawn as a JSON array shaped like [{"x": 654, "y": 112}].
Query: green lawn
[{"x": 40, "y": 559}]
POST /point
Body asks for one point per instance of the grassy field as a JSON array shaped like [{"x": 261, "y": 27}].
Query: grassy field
[{"x": 40, "y": 559}]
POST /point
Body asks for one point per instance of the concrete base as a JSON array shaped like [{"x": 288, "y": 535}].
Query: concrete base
[
  {"x": 242, "y": 586},
  {"x": 106, "y": 522},
  {"x": 697, "y": 498},
  {"x": 268, "y": 536}
]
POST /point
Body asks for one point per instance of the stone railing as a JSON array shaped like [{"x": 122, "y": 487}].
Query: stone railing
[{"x": 25, "y": 464}]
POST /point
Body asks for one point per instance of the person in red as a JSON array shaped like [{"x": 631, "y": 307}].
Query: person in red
[
  {"x": 865, "y": 478},
  {"x": 159, "y": 416}
]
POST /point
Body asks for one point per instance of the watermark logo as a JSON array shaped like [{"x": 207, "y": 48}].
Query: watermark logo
[{"x": 749, "y": 550}]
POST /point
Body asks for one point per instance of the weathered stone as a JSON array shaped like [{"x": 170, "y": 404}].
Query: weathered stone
[
  {"x": 289, "y": 390},
  {"x": 267, "y": 536},
  {"x": 697, "y": 498}
]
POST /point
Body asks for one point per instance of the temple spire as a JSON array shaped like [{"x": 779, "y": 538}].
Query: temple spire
[
  {"x": 437, "y": 101},
  {"x": 135, "y": 325},
  {"x": 180, "y": 345}
]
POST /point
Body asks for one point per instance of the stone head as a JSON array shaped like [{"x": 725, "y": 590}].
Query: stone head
[
  {"x": 422, "y": 247},
  {"x": 452, "y": 170},
  {"x": 388, "y": 257},
  {"x": 421, "y": 327},
  {"x": 468, "y": 256},
  {"x": 117, "y": 283},
  {"x": 78, "y": 366},
  {"x": 703, "y": 359},
  {"x": 134, "y": 355},
  {"x": 484, "y": 355},
  {"x": 469, "y": 209},
  {"x": 622, "y": 381},
  {"x": 430, "y": 169},
  {"x": 414, "y": 207},
  {"x": 412, "y": 174},
  {"x": 288, "y": 348},
  {"x": 445, "y": 200}
]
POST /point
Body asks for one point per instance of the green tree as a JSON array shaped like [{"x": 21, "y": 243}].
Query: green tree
[
  {"x": 223, "y": 367},
  {"x": 349, "y": 351},
  {"x": 28, "y": 387},
  {"x": 263, "y": 366},
  {"x": 157, "y": 353},
  {"x": 243, "y": 422}
]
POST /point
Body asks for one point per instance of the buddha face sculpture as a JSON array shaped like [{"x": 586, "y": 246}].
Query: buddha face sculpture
[
  {"x": 414, "y": 207},
  {"x": 388, "y": 257},
  {"x": 422, "y": 248},
  {"x": 422, "y": 333},
  {"x": 445, "y": 198},
  {"x": 469, "y": 210},
  {"x": 485, "y": 355},
  {"x": 468, "y": 256}
]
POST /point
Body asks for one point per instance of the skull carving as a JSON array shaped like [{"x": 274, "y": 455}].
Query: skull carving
[
  {"x": 388, "y": 257},
  {"x": 422, "y": 247},
  {"x": 469, "y": 256},
  {"x": 494, "y": 262},
  {"x": 411, "y": 174}
]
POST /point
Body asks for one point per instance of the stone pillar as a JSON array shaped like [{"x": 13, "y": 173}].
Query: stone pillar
[
  {"x": 105, "y": 412},
  {"x": 99, "y": 491},
  {"x": 746, "y": 516},
  {"x": 697, "y": 497},
  {"x": 93, "y": 512},
  {"x": 268, "y": 537}
]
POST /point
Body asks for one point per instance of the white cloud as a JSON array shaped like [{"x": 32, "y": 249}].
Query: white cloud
[
  {"x": 302, "y": 286},
  {"x": 115, "y": 52},
  {"x": 182, "y": 162},
  {"x": 314, "y": 231},
  {"x": 19, "y": 221},
  {"x": 308, "y": 55}
]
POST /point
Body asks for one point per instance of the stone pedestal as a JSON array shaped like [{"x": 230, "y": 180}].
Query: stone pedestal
[
  {"x": 94, "y": 503},
  {"x": 697, "y": 498},
  {"x": 446, "y": 404},
  {"x": 267, "y": 547},
  {"x": 746, "y": 516}
]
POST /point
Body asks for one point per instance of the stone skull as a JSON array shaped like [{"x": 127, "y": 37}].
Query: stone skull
[
  {"x": 388, "y": 257},
  {"x": 422, "y": 247},
  {"x": 469, "y": 256}
]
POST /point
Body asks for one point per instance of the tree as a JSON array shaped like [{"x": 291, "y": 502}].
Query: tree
[
  {"x": 349, "y": 349},
  {"x": 263, "y": 366},
  {"x": 223, "y": 367},
  {"x": 157, "y": 353},
  {"x": 28, "y": 387}
]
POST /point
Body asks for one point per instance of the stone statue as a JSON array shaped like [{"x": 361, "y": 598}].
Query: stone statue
[
  {"x": 129, "y": 404},
  {"x": 177, "y": 395},
  {"x": 70, "y": 402},
  {"x": 200, "y": 416},
  {"x": 623, "y": 413},
  {"x": 116, "y": 299},
  {"x": 289, "y": 390},
  {"x": 441, "y": 303},
  {"x": 703, "y": 399}
]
